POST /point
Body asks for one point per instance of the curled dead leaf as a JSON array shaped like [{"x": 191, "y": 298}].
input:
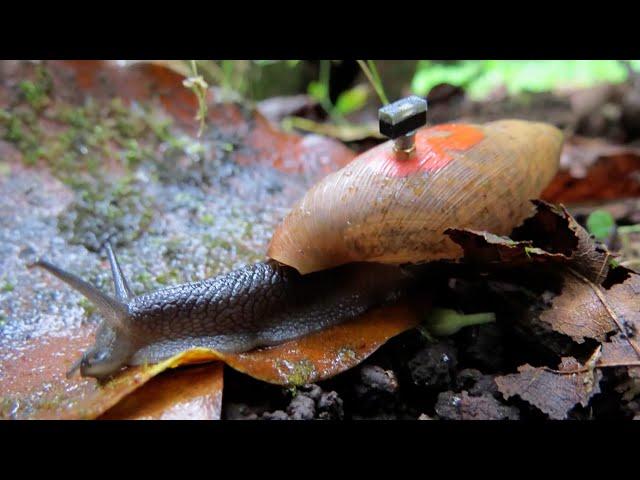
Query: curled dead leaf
[
  {"x": 34, "y": 385},
  {"x": 326, "y": 353},
  {"x": 550, "y": 236},
  {"x": 553, "y": 229},
  {"x": 187, "y": 394},
  {"x": 554, "y": 393},
  {"x": 485, "y": 247}
]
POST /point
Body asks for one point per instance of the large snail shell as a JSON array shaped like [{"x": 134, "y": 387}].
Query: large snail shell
[{"x": 393, "y": 208}]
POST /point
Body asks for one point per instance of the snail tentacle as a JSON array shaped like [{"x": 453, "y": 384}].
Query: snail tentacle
[
  {"x": 113, "y": 310},
  {"x": 123, "y": 292}
]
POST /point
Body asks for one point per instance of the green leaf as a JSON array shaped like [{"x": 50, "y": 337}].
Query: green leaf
[
  {"x": 318, "y": 91},
  {"x": 600, "y": 224},
  {"x": 352, "y": 100},
  {"x": 429, "y": 74},
  {"x": 481, "y": 77}
]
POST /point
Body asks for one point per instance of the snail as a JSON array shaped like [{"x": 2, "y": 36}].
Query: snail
[{"x": 340, "y": 250}]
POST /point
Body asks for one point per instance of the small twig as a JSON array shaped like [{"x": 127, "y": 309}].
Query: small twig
[
  {"x": 212, "y": 70},
  {"x": 586, "y": 369},
  {"x": 609, "y": 310},
  {"x": 592, "y": 364}
]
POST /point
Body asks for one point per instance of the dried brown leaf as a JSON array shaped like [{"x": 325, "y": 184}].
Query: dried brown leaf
[
  {"x": 556, "y": 394},
  {"x": 592, "y": 169},
  {"x": 625, "y": 300},
  {"x": 186, "y": 394},
  {"x": 578, "y": 311},
  {"x": 33, "y": 382},
  {"x": 618, "y": 352},
  {"x": 553, "y": 229},
  {"x": 485, "y": 247},
  {"x": 462, "y": 406},
  {"x": 550, "y": 236},
  {"x": 326, "y": 353}
]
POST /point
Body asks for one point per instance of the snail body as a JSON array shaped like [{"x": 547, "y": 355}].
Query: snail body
[{"x": 337, "y": 253}]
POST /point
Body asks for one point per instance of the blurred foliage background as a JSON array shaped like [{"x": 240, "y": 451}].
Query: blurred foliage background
[
  {"x": 343, "y": 84},
  {"x": 340, "y": 98}
]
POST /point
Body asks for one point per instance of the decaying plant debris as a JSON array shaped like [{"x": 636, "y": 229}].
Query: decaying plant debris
[{"x": 562, "y": 344}]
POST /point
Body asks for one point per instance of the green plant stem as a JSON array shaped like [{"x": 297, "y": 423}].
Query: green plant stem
[
  {"x": 376, "y": 75},
  {"x": 629, "y": 229},
  {"x": 324, "y": 80},
  {"x": 201, "y": 95},
  {"x": 442, "y": 322},
  {"x": 371, "y": 73}
]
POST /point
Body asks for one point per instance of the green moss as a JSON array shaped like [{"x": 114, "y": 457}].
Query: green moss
[
  {"x": 162, "y": 129},
  {"x": 91, "y": 132},
  {"x": 36, "y": 92},
  {"x": 87, "y": 306},
  {"x": 301, "y": 373},
  {"x": 248, "y": 230},
  {"x": 172, "y": 248},
  {"x": 170, "y": 277},
  {"x": 133, "y": 153},
  {"x": 146, "y": 280},
  {"x": 106, "y": 210},
  {"x": 213, "y": 243},
  {"x": 74, "y": 117},
  {"x": 207, "y": 219},
  {"x": 7, "y": 287},
  {"x": 347, "y": 354},
  {"x": 18, "y": 128},
  {"x": 53, "y": 402}
]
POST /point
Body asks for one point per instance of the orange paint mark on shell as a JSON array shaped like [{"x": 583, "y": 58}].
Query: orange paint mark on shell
[{"x": 432, "y": 152}]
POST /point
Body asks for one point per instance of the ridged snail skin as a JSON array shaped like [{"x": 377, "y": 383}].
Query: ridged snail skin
[{"x": 393, "y": 208}]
